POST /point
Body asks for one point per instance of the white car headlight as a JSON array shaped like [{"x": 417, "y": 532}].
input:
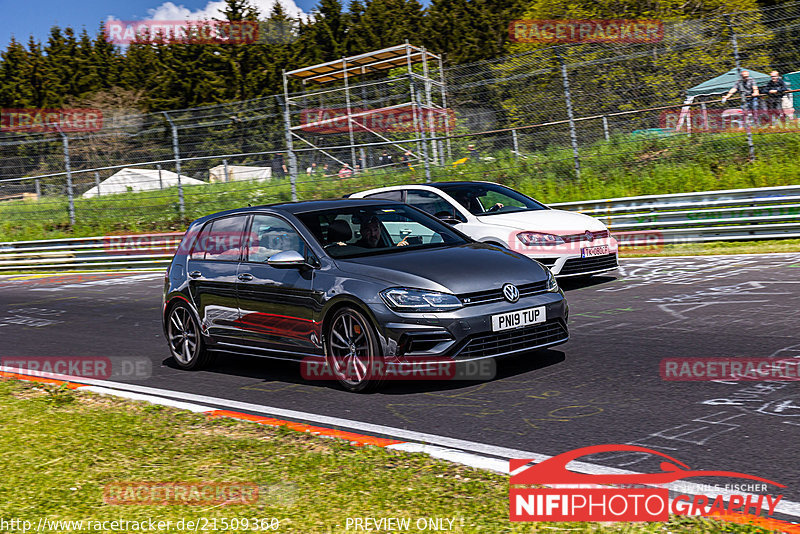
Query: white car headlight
[
  {"x": 538, "y": 239},
  {"x": 419, "y": 300}
]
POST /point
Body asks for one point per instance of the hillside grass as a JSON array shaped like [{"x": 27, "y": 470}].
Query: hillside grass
[
  {"x": 61, "y": 449},
  {"x": 622, "y": 166}
]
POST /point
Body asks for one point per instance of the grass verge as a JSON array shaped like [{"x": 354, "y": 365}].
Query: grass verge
[
  {"x": 60, "y": 448},
  {"x": 718, "y": 247}
]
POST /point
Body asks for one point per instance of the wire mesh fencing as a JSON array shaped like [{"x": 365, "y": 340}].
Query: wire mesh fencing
[{"x": 559, "y": 122}]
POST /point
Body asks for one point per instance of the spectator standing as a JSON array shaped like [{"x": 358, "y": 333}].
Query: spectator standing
[
  {"x": 278, "y": 166},
  {"x": 747, "y": 86},
  {"x": 407, "y": 158},
  {"x": 385, "y": 160},
  {"x": 346, "y": 171},
  {"x": 775, "y": 89},
  {"x": 312, "y": 169},
  {"x": 473, "y": 153}
]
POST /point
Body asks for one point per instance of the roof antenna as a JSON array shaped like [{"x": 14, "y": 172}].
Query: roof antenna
[{"x": 249, "y": 205}]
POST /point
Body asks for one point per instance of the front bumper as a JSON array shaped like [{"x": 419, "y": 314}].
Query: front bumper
[
  {"x": 575, "y": 265},
  {"x": 466, "y": 334}
]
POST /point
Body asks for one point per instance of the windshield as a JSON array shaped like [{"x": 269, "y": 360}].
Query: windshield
[
  {"x": 381, "y": 229},
  {"x": 490, "y": 199}
]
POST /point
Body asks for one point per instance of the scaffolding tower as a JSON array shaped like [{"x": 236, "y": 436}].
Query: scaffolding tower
[{"x": 351, "y": 107}]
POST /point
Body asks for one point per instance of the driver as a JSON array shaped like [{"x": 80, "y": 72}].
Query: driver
[
  {"x": 371, "y": 234},
  {"x": 469, "y": 201}
]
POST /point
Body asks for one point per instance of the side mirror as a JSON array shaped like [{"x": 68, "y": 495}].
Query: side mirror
[
  {"x": 449, "y": 219},
  {"x": 287, "y": 258},
  {"x": 446, "y": 216}
]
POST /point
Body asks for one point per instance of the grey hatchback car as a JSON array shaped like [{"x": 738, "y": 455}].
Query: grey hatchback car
[{"x": 358, "y": 286}]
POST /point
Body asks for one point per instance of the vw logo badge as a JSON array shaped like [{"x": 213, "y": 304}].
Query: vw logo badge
[
  {"x": 511, "y": 293},
  {"x": 589, "y": 236}
]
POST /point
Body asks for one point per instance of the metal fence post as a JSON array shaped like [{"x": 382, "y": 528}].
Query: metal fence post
[
  {"x": 734, "y": 42},
  {"x": 175, "y": 148},
  {"x": 225, "y": 169},
  {"x": 160, "y": 181},
  {"x": 424, "y": 143},
  {"x": 605, "y": 128},
  {"x": 70, "y": 197},
  {"x": 38, "y": 187},
  {"x": 568, "y": 100},
  {"x": 97, "y": 182},
  {"x": 515, "y": 142},
  {"x": 287, "y": 119}
]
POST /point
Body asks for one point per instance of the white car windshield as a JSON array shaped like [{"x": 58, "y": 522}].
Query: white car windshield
[{"x": 490, "y": 199}]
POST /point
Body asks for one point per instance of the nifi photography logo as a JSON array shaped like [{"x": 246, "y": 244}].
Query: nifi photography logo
[{"x": 573, "y": 496}]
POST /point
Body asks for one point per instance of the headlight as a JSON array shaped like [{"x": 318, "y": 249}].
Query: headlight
[
  {"x": 538, "y": 239},
  {"x": 552, "y": 285},
  {"x": 419, "y": 300}
]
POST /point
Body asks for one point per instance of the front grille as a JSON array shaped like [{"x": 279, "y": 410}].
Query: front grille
[
  {"x": 496, "y": 295},
  {"x": 576, "y": 238},
  {"x": 587, "y": 265},
  {"x": 526, "y": 338}
]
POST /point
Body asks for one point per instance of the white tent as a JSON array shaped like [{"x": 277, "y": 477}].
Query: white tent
[
  {"x": 238, "y": 173},
  {"x": 135, "y": 180}
]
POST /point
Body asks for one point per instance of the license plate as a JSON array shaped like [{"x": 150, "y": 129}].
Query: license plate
[
  {"x": 595, "y": 251},
  {"x": 518, "y": 318}
]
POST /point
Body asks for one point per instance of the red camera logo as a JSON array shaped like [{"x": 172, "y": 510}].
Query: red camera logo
[
  {"x": 125, "y": 32},
  {"x": 619, "y": 504},
  {"x": 586, "y": 31},
  {"x": 51, "y": 120}
]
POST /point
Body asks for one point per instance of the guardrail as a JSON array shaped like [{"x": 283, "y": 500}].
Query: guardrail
[
  {"x": 134, "y": 252},
  {"x": 731, "y": 215}
]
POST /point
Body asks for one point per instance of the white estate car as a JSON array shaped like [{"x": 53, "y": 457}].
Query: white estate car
[{"x": 569, "y": 243}]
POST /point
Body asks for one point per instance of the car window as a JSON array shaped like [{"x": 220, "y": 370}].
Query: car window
[
  {"x": 387, "y": 195},
  {"x": 269, "y": 235},
  {"x": 368, "y": 230},
  {"x": 487, "y": 199},
  {"x": 432, "y": 203},
  {"x": 220, "y": 239}
]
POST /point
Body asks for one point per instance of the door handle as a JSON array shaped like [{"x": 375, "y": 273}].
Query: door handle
[
  {"x": 195, "y": 274},
  {"x": 245, "y": 277}
]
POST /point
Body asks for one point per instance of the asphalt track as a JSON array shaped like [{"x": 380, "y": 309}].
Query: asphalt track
[{"x": 604, "y": 386}]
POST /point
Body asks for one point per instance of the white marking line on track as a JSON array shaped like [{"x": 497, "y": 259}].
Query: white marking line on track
[
  {"x": 473, "y": 454},
  {"x": 700, "y": 256}
]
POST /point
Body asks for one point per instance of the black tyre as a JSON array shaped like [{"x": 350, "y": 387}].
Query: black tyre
[
  {"x": 185, "y": 341},
  {"x": 353, "y": 352}
]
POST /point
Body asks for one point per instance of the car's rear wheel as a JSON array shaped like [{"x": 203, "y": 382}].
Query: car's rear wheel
[
  {"x": 185, "y": 342},
  {"x": 352, "y": 351}
]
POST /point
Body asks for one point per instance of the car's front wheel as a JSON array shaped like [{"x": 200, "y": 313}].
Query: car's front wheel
[
  {"x": 352, "y": 351},
  {"x": 185, "y": 342}
]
